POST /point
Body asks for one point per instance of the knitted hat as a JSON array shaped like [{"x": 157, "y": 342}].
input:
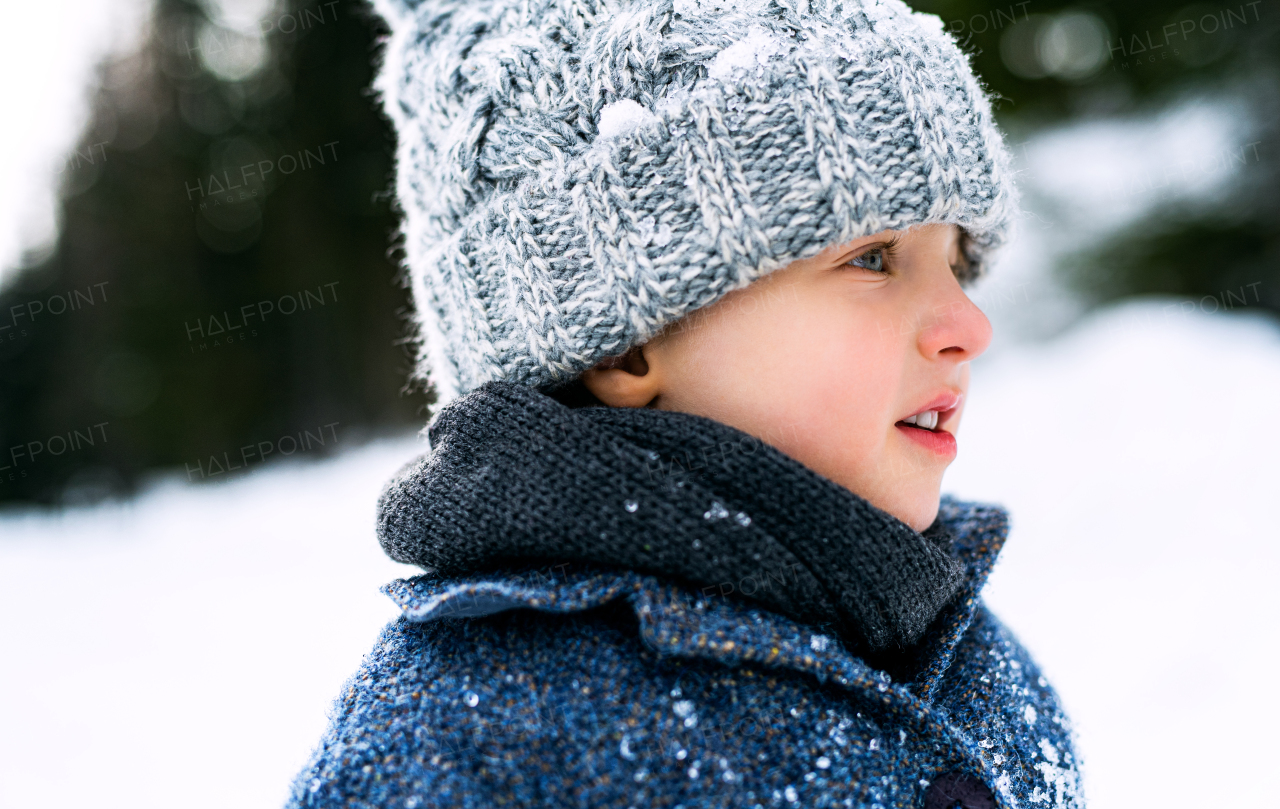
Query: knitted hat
[{"x": 576, "y": 174}]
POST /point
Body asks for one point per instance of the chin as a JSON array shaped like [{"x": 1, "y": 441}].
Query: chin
[{"x": 918, "y": 512}]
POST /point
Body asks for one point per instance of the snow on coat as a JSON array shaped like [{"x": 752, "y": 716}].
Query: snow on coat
[{"x": 592, "y": 687}]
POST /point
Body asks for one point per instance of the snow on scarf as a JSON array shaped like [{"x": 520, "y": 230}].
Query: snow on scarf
[{"x": 516, "y": 477}]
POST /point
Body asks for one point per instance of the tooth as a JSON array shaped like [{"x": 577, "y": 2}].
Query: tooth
[
  {"x": 910, "y": 420},
  {"x": 932, "y": 420}
]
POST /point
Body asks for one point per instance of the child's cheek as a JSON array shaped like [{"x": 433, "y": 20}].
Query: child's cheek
[{"x": 847, "y": 392}]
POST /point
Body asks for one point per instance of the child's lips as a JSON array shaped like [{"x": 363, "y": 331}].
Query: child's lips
[
  {"x": 938, "y": 441},
  {"x": 946, "y": 420}
]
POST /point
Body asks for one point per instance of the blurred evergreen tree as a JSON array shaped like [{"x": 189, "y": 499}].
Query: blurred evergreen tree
[
  {"x": 225, "y": 174},
  {"x": 1050, "y": 61},
  {"x": 223, "y": 276}
]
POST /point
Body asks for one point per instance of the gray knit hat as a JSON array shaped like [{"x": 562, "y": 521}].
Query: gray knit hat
[{"x": 576, "y": 174}]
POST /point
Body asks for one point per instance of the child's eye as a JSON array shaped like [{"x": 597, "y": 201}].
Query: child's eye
[{"x": 872, "y": 260}]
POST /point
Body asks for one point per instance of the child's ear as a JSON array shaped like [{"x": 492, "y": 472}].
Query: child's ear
[{"x": 625, "y": 381}]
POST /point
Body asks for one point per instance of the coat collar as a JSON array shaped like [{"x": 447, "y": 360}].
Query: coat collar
[{"x": 677, "y": 620}]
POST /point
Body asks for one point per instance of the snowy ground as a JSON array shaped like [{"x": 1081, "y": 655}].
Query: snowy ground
[
  {"x": 182, "y": 650},
  {"x": 1139, "y": 463}
]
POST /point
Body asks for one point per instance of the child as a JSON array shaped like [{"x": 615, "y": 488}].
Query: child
[{"x": 690, "y": 281}]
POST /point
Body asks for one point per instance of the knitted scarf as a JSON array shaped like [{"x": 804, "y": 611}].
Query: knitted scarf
[{"x": 516, "y": 477}]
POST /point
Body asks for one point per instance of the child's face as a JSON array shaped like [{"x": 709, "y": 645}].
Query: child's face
[{"x": 824, "y": 360}]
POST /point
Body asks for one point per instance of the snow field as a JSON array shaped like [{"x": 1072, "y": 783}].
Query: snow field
[
  {"x": 182, "y": 650},
  {"x": 1138, "y": 460}
]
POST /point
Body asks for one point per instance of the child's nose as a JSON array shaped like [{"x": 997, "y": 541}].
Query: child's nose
[{"x": 956, "y": 327}]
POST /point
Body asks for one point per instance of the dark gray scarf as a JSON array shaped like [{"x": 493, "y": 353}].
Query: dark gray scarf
[{"x": 516, "y": 477}]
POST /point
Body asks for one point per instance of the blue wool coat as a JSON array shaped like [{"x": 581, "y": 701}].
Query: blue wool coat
[{"x": 590, "y": 687}]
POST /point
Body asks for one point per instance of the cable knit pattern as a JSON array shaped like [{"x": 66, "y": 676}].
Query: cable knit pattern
[{"x": 576, "y": 174}]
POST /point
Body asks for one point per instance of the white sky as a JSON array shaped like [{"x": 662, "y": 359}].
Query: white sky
[{"x": 48, "y": 50}]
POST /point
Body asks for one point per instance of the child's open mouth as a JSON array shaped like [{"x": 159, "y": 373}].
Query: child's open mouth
[{"x": 928, "y": 420}]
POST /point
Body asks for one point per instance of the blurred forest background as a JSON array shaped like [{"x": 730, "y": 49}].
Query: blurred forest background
[{"x": 225, "y": 274}]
